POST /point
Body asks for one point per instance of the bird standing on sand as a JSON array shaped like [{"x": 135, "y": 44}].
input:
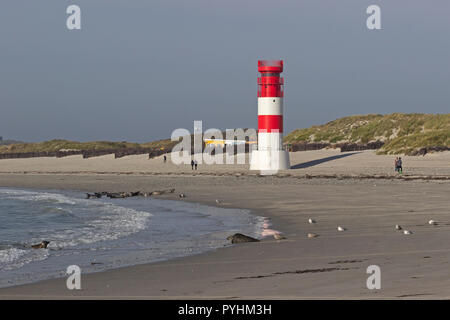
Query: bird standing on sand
[
  {"x": 311, "y": 220},
  {"x": 278, "y": 236},
  {"x": 398, "y": 227},
  {"x": 341, "y": 229},
  {"x": 182, "y": 195},
  {"x": 312, "y": 235},
  {"x": 217, "y": 201},
  {"x": 432, "y": 222},
  {"x": 407, "y": 232}
]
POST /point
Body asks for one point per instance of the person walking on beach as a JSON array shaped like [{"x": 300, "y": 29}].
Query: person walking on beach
[
  {"x": 396, "y": 164},
  {"x": 400, "y": 165},
  {"x": 165, "y": 159},
  {"x": 195, "y": 163},
  {"x": 192, "y": 164}
]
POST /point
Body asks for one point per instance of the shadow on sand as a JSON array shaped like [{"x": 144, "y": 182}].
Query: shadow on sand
[{"x": 319, "y": 161}]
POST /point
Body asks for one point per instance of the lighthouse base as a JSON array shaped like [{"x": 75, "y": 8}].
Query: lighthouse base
[{"x": 269, "y": 161}]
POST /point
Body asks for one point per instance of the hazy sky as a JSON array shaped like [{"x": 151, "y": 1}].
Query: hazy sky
[{"x": 139, "y": 69}]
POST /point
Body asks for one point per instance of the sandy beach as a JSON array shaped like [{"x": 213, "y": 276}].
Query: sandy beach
[{"x": 356, "y": 190}]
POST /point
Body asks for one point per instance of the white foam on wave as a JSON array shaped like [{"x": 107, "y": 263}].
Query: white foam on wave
[
  {"x": 114, "y": 222},
  {"x": 13, "y": 258},
  {"x": 11, "y": 254},
  {"x": 38, "y": 196}
]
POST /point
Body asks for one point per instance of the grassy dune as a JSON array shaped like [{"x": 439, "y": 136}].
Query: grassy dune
[
  {"x": 402, "y": 133},
  {"x": 66, "y": 145}
]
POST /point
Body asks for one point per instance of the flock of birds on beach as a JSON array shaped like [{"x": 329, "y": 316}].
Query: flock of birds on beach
[
  {"x": 239, "y": 238},
  {"x": 397, "y": 227},
  {"x": 279, "y": 236},
  {"x": 313, "y": 235}
]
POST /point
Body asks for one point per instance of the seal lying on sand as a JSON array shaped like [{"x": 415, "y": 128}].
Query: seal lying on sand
[
  {"x": 240, "y": 238},
  {"x": 118, "y": 195},
  {"x": 96, "y": 195},
  {"x": 42, "y": 245},
  {"x": 160, "y": 192}
]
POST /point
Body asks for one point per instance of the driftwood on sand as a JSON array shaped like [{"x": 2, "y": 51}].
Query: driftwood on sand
[{"x": 120, "y": 195}]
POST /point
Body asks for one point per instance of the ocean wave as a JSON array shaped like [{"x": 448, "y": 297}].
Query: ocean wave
[
  {"x": 93, "y": 221},
  {"x": 113, "y": 232},
  {"x": 38, "y": 196},
  {"x": 113, "y": 222}
]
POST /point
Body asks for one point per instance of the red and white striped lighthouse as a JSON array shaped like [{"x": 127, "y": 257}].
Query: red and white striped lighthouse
[{"x": 270, "y": 154}]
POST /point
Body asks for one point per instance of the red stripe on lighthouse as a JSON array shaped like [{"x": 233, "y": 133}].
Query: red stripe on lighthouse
[
  {"x": 269, "y": 123},
  {"x": 270, "y": 86}
]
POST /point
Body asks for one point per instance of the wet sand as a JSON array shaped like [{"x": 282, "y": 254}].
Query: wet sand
[{"x": 333, "y": 265}]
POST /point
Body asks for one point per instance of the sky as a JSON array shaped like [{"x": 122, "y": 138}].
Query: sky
[{"x": 139, "y": 69}]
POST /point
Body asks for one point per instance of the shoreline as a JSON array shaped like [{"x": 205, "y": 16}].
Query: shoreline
[
  {"x": 173, "y": 261},
  {"x": 331, "y": 266},
  {"x": 197, "y": 246}
]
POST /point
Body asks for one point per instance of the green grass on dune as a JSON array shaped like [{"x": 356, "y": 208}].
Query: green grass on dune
[
  {"x": 65, "y": 145},
  {"x": 402, "y": 133},
  {"x": 408, "y": 144},
  {"x": 59, "y": 145}
]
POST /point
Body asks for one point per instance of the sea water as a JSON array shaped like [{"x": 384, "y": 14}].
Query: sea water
[{"x": 102, "y": 234}]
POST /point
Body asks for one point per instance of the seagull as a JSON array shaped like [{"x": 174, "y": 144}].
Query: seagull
[
  {"x": 312, "y": 235},
  {"x": 432, "y": 222},
  {"x": 311, "y": 220},
  {"x": 398, "y": 227},
  {"x": 217, "y": 201},
  {"x": 278, "y": 236},
  {"x": 182, "y": 195},
  {"x": 407, "y": 232},
  {"x": 341, "y": 229}
]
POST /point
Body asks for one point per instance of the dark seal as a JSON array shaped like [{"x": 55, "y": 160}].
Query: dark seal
[
  {"x": 42, "y": 245},
  {"x": 241, "y": 238}
]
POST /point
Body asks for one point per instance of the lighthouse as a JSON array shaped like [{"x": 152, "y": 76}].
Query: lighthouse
[{"x": 269, "y": 155}]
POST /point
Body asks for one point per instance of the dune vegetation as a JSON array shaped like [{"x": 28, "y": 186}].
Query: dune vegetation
[
  {"x": 401, "y": 133},
  {"x": 66, "y": 145}
]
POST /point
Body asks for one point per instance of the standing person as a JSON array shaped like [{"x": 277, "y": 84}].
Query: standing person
[
  {"x": 195, "y": 163},
  {"x": 192, "y": 164},
  {"x": 165, "y": 159},
  {"x": 396, "y": 164},
  {"x": 400, "y": 165}
]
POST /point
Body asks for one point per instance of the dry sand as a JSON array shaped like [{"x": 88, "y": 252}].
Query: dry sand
[
  {"x": 332, "y": 265},
  {"x": 309, "y": 162}
]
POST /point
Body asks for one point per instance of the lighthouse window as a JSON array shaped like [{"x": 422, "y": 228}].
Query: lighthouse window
[{"x": 270, "y": 74}]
